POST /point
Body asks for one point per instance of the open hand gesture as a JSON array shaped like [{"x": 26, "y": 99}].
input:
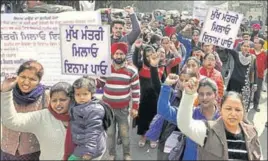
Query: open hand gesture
[{"x": 9, "y": 82}]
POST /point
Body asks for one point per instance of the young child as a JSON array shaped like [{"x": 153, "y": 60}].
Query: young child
[{"x": 87, "y": 114}]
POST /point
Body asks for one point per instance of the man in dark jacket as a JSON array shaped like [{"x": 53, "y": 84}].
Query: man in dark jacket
[{"x": 130, "y": 38}]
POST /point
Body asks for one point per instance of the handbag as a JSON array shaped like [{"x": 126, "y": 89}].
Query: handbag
[{"x": 177, "y": 152}]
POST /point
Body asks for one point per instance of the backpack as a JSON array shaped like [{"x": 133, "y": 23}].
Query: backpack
[{"x": 108, "y": 116}]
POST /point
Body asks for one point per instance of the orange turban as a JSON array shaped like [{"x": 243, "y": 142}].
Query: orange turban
[
  {"x": 256, "y": 26},
  {"x": 119, "y": 46}
]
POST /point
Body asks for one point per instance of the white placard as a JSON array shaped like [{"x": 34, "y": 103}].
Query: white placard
[
  {"x": 200, "y": 9},
  {"x": 85, "y": 50},
  {"x": 221, "y": 28},
  {"x": 36, "y": 36}
]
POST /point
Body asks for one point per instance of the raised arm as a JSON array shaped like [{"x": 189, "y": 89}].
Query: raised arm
[
  {"x": 163, "y": 105},
  {"x": 136, "y": 30},
  {"x": 194, "y": 129},
  {"x": 23, "y": 122},
  {"x": 137, "y": 58},
  {"x": 187, "y": 44},
  {"x": 154, "y": 61}
]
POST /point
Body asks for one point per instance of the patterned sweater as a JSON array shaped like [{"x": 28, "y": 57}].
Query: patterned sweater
[{"x": 121, "y": 87}]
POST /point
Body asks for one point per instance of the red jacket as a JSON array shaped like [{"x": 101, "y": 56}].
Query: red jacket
[
  {"x": 170, "y": 30},
  {"x": 261, "y": 62},
  {"x": 216, "y": 76}
]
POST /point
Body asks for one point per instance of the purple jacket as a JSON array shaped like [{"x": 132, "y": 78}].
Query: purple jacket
[{"x": 87, "y": 129}]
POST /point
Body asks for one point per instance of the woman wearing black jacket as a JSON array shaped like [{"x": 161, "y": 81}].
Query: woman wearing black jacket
[
  {"x": 148, "y": 97},
  {"x": 243, "y": 78}
]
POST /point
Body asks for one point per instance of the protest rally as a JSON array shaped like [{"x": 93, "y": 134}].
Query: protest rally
[{"x": 133, "y": 80}]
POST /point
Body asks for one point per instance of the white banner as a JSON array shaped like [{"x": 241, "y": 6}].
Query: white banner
[
  {"x": 200, "y": 9},
  {"x": 36, "y": 36},
  {"x": 85, "y": 50},
  {"x": 221, "y": 28}
]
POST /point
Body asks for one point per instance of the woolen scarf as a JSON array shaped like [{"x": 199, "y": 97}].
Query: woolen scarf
[
  {"x": 68, "y": 144},
  {"x": 27, "y": 98}
]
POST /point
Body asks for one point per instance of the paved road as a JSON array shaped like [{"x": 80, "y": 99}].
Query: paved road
[{"x": 259, "y": 119}]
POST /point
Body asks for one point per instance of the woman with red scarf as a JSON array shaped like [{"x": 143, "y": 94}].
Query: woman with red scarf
[
  {"x": 209, "y": 71},
  {"x": 49, "y": 125}
]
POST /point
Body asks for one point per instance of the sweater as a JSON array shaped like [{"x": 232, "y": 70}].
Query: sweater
[
  {"x": 261, "y": 62},
  {"x": 49, "y": 131},
  {"x": 169, "y": 30},
  {"x": 211, "y": 136},
  {"x": 121, "y": 87},
  {"x": 217, "y": 77},
  {"x": 170, "y": 112},
  {"x": 25, "y": 143}
]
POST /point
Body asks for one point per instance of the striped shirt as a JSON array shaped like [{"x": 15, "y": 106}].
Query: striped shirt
[
  {"x": 236, "y": 146},
  {"x": 122, "y": 86}
]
